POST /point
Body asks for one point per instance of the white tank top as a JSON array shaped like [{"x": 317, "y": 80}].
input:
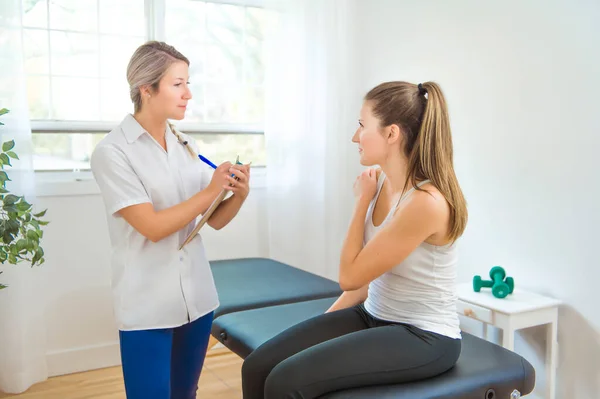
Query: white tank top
[{"x": 419, "y": 291}]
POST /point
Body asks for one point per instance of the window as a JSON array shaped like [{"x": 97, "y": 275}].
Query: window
[{"x": 76, "y": 54}]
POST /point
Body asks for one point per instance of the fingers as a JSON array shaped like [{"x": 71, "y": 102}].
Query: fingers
[
  {"x": 236, "y": 182},
  {"x": 239, "y": 172},
  {"x": 237, "y": 187},
  {"x": 224, "y": 166},
  {"x": 368, "y": 174}
]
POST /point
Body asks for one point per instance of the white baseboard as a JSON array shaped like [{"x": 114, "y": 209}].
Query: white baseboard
[
  {"x": 86, "y": 358},
  {"x": 83, "y": 359}
]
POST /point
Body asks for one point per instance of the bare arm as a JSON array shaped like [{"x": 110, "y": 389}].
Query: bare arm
[
  {"x": 349, "y": 299},
  {"x": 156, "y": 225},
  {"x": 413, "y": 223}
]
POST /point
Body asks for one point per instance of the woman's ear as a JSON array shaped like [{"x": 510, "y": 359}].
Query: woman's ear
[
  {"x": 393, "y": 134},
  {"x": 145, "y": 92}
]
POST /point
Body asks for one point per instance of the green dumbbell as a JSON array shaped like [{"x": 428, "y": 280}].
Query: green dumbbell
[{"x": 500, "y": 286}]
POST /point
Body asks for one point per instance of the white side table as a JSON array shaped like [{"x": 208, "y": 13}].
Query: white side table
[{"x": 518, "y": 310}]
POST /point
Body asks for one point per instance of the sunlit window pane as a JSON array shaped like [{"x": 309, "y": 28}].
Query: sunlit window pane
[
  {"x": 115, "y": 52},
  {"x": 114, "y": 99},
  {"x": 225, "y": 23},
  {"x": 254, "y": 72},
  {"x": 220, "y": 148},
  {"x": 122, "y": 17},
  {"x": 79, "y": 15},
  {"x": 35, "y": 51},
  {"x": 74, "y": 54},
  {"x": 196, "y": 111},
  {"x": 63, "y": 151},
  {"x": 38, "y": 95},
  {"x": 35, "y": 13},
  {"x": 75, "y": 99},
  {"x": 224, "y": 103},
  {"x": 185, "y": 22}
]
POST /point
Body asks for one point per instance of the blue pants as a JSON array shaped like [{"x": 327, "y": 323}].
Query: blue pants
[{"x": 165, "y": 363}]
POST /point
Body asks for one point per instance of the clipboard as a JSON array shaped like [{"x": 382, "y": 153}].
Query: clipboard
[{"x": 211, "y": 209}]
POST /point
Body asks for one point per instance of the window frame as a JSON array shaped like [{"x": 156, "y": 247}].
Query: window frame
[{"x": 155, "y": 15}]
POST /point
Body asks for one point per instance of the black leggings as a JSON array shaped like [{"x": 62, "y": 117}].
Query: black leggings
[{"x": 344, "y": 349}]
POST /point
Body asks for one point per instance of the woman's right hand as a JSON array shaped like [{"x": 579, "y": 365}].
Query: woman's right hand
[
  {"x": 365, "y": 185},
  {"x": 219, "y": 177}
]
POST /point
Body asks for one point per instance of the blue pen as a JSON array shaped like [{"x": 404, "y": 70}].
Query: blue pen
[
  {"x": 207, "y": 161},
  {"x": 212, "y": 165}
]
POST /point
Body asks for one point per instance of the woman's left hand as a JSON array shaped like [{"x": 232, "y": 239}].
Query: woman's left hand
[{"x": 240, "y": 184}]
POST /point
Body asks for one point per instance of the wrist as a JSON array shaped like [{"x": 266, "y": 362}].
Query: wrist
[
  {"x": 362, "y": 202},
  {"x": 211, "y": 190}
]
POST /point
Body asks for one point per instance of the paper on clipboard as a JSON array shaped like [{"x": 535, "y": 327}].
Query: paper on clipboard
[{"x": 211, "y": 209}]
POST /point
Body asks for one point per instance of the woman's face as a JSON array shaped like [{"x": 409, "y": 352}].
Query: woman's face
[
  {"x": 372, "y": 145},
  {"x": 173, "y": 94}
]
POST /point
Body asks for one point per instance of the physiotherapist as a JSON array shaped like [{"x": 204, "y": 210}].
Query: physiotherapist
[{"x": 154, "y": 186}]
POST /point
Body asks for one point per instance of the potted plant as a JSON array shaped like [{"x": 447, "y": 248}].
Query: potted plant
[{"x": 20, "y": 228}]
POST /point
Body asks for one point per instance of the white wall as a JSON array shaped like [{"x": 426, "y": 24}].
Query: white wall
[
  {"x": 522, "y": 81},
  {"x": 81, "y": 332}
]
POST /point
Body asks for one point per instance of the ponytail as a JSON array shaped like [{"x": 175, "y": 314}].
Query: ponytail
[{"x": 432, "y": 156}]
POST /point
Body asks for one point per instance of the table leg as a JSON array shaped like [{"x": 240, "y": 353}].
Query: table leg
[
  {"x": 508, "y": 338},
  {"x": 551, "y": 357}
]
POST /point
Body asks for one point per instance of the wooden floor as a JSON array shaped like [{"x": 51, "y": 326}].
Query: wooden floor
[{"x": 220, "y": 379}]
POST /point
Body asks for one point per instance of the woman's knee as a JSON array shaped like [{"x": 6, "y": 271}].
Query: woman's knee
[
  {"x": 286, "y": 381},
  {"x": 258, "y": 364}
]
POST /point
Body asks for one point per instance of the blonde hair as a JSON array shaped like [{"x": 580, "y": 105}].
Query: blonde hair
[
  {"x": 421, "y": 113},
  {"x": 147, "y": 66}
]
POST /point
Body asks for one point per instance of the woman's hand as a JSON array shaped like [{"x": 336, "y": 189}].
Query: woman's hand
[
  {"x": 240, "y": 184},
  {"x": 220, "y": 177},
  {"x": 365, "y": 185}
]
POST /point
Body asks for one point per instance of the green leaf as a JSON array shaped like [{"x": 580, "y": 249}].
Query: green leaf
[
  {"x": 23, "y": 206},
  {"x": 32, "y": 235},
  {"x": 43, "y": 223},
  {"x": 10, "y": 199},
  {"x": 12, "y": 259},
  {"x": 21, "y": 245},
  {"x": 3, "y": 190},
  {"x": 30, "y": 246},
  {"x": 8, "y": 145},
  {"x": 12, "y": 226},
  {"x": 10, "y": 208},
  {"x": 4, "y": 111},
  {"x": 3, "y": 256},
  {"x": 3, "y": 177},
  {"x": 40, "y": 214},
  {"x": 12, "y": 154},
  {"x": 38, "y": 256},
  {"x": 5, "y": 159}
]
